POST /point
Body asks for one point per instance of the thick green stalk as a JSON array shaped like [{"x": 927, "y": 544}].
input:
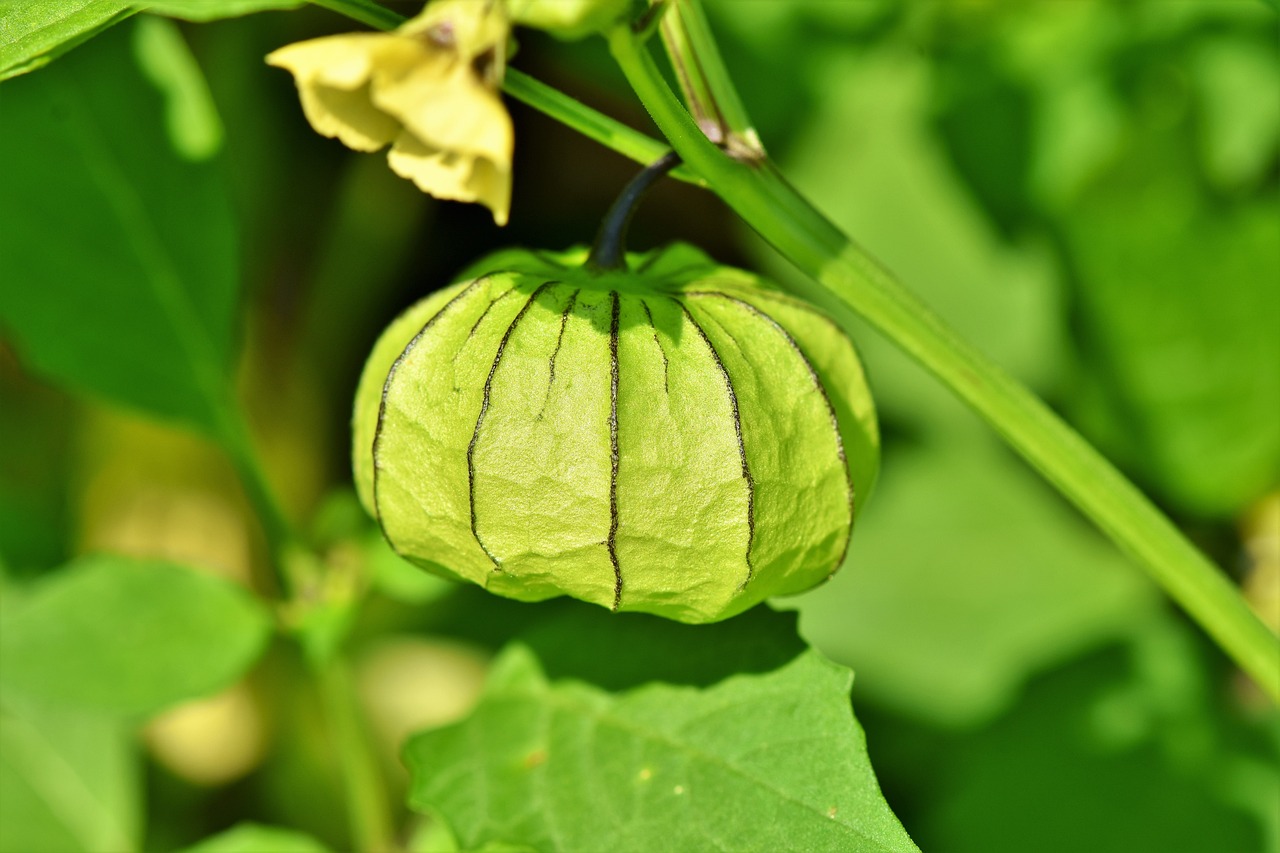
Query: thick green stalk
[
  {"x": 849, "y": 279},
  {"x": 369, "y": 810},
  {"x": 233, "y": 435},
  {"x": 707, "y": 87}
]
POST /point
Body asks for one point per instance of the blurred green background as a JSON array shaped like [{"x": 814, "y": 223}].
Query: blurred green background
[{"x": 1087, "y": 190}]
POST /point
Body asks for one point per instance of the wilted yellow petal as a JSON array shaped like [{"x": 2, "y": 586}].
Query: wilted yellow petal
[
  {"x": 470, "y": 28},
  {"x": 449, "y": 175},
  {"x": 491, "y": 183},
  {"x": 454, "y": 113},
  {"x": 333, "y": 76},
  {"x": 430, "y": 88},
  {"x": 348, "y": 116}
]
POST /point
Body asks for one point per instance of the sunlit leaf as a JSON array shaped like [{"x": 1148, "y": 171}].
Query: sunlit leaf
[
  {"x": 771, "y": 761},
  {"x": 34, "y": 32},
  {"x": 119, "y": 254},
  {"x": 212, "y": 10},
  {"x": 68, "y": 782},
  {"x": 129, "y": 636},
  {"x": 966, "y": 577}
]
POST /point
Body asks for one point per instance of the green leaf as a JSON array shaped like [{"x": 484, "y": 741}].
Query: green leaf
[
  {"x": 68, "y": 781},
  {"x": 255, "y": 838},
  {"x": 35, "y": 32},
  {"x": 129, "y": 636},
  {"x": 119, "y": 254},
  {"x": 967, "y": 576},
  {"x": 773, "y": 761},
  {"x": 1238, "y": 82},
  {"x": 985, "y": 120},
  {"x": 1093, "y": 758},
  {"x": 212, "y": 10},
  {"x": 1179, "y": 308},
  {"x": 896, "y": 189}
]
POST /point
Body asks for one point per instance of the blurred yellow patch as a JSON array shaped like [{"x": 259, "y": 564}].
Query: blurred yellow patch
[
  {"x": 429, "y": 90},
  {"x": 210, "y": 741}
]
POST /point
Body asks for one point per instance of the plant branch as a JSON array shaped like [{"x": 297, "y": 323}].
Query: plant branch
[
  {"x": 233, "y": 435},
  {"x": 368, "y": 806},
  {"x": 707, "y": 87},
  {"x": 609, "y": 132},
  {"x": 848, "y": 280}
]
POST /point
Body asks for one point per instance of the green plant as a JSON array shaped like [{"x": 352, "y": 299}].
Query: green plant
[{"x": 123, "y": 242}]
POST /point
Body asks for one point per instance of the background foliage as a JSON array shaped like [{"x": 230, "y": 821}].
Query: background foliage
[{"x": 1088, "y": 190}]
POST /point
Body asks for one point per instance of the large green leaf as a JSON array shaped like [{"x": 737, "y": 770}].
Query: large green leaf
[
  {"x": 966, "y": 577},
  {"x": 1179, "y": 313},
  {"x": 68, "y": 782},
  {"x": 119, "y": 254},
  {"x": 771, "y": 761},
  {"x": 1099, "y": 755},
  {"x": 34, "y": 32},
  {"x": 129, "y": 636},
  {"x": 255, "y": 838},
  {"x": 868, "y": 157},
  {"x": 212, "y": 10}
]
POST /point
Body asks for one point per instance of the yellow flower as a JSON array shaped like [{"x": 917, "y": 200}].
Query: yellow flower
[{"x": 429, "y": 89}]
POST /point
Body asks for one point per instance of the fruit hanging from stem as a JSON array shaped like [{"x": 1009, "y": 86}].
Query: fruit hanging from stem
[{"x": 651, "y": 433}]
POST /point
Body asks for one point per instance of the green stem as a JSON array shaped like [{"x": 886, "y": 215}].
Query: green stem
[
  {"x": 609, "y": 251},
  {"x": 368, "y": 806},
  {"x": 609, "y": 132},
  {"x": 364, "y": 11},
  {"x": 849, "y": 279},
  {"x": 708, "y": 89},
  {"x": 233, "y": 435},
  {"x": 367, "y": 802}
]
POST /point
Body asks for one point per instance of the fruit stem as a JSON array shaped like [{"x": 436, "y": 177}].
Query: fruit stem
[{"x": 609, "y": 250}]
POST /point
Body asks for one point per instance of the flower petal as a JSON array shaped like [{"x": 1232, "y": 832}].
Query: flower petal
[
  {"x": 449, "y": 175},
  {"x": 453, "y": 112},
  {"x": 491, "y": 183},
  {"x": 469, "y": 27},
  {"x": 348, "y": 115},
  {"x": 429, "y": 88},
  {"x": 333, "y": 76}
]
